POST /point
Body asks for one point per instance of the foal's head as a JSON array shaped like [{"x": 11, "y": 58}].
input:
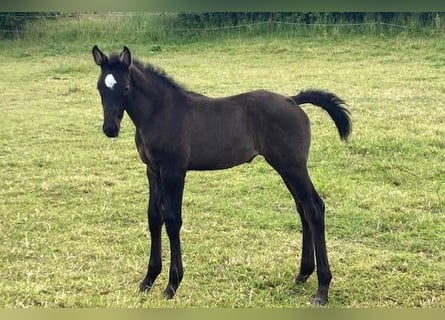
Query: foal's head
[{"x": 114, "y": 87}]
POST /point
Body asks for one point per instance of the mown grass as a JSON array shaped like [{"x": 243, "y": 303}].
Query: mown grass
[{"x": 74, "y": 232}]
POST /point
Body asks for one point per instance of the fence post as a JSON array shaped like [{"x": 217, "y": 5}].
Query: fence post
[
  {"x": 17, "y": 32},
  {"x": 437, "y": 24},
  {"x": 271, "y": 22}
]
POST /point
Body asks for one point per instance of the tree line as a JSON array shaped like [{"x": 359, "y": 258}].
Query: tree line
[
  {"x": 13, "y": 23},
  {"x": 219, "y": 19}
]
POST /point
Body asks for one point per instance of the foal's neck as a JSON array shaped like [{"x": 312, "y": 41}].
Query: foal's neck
[{"x": 148, "y": 96}]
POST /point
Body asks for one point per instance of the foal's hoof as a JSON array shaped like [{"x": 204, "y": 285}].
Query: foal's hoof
[
  {"x": 302, "y": 278},
  {"x": 169, "y": 293},
  {"x": 144, "y": 287},
  {"x": 320, "y": 300}
]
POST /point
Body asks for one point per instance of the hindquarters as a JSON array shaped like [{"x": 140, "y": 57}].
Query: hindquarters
[{"x": 281, "y": 129}]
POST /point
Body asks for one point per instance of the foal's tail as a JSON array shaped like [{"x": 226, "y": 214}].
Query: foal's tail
[{"x": 334, "y": 105}]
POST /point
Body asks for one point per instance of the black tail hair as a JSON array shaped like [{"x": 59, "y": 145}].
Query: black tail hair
[{"x": 334, "y": 106}]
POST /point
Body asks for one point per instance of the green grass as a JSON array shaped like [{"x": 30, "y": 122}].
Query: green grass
[{"x": 74, "y": 231}]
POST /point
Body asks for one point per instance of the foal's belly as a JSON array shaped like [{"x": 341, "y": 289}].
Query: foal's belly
[{"x": 220, "y": 158}]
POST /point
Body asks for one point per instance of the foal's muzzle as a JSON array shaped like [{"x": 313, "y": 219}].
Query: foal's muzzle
[
  {"x": 111, "y": 131},
  {"x": 112, "y": 122}
]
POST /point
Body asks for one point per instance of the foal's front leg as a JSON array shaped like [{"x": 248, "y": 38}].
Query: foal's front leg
[
  {"x": 173, "y": 186},
  {"x": 155, "y": 222}
]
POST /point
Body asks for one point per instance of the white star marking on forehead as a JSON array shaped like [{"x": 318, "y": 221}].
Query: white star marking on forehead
[{"x": 110, "y": 81}]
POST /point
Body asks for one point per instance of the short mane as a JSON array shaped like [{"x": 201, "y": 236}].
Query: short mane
[{"x": 151, "y": 70}]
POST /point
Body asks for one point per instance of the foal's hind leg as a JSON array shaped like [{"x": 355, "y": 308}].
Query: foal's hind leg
[
  {"x": 307, "y": 265},
  {"x": 314, "y": 212},
  {"x": 311, "y": 209}
]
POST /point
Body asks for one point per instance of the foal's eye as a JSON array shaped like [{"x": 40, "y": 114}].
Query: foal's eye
[{"x": 126, "y": 89}]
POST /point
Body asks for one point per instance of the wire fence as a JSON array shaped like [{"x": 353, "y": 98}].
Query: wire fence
[{"x": 164, "y": 25}]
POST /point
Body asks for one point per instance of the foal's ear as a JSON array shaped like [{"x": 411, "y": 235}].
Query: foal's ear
[
  {"x": 125, "y": 56},
  {"x": 98, "y": 56}
]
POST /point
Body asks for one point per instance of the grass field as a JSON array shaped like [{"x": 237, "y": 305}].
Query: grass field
[{"x": 73, "y": 202}]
